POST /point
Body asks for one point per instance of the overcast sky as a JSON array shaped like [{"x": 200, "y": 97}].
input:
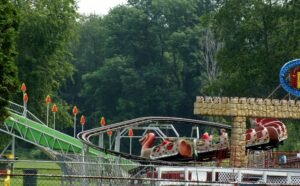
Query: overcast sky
[{"x": 100, "y": 7}]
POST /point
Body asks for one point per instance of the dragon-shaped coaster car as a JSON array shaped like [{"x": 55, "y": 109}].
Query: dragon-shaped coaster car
[
  {"x": 266, "y": 134},
  {"x": 183, "y": 149}
]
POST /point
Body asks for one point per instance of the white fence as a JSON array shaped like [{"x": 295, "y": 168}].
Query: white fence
[
  {"x": 230, "y": 175},
  {"x": 114, "y": 173}
]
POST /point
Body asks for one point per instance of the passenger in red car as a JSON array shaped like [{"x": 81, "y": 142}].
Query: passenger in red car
[{"x": 205, "y": 136}]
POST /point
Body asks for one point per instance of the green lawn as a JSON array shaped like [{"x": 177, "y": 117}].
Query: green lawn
[
  {"x": 41, "y": 167},
  {"x": 37, "y": 165},
  {"x": 47, "y": 168}
]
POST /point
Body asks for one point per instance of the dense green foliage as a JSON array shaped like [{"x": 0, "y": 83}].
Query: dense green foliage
[
  {"x": 144, "y": 59},
  {"x": 152, "y": 57},
  {"x": 8, "y": 71},
  {"x": 259, "y": 37},
  {"x": 9, "y": 23},
  {"x": 46, "y": 29},
  {"x": 149, "y": 57}
]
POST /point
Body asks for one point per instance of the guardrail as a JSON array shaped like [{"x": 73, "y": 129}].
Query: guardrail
[
  {"x": 233, "y": 175},
  {"x": 95, "y": 172},
  {"x": 21, "y": 110}
]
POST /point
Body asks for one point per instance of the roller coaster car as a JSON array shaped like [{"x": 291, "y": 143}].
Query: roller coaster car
[
  {"x": 268, "y": 133},
  {"x": 179, "y": 149},
  {"x": 183, "y": 149},
  {"x": 206, "y": 149},
  {"x": 277, "y": 125}
]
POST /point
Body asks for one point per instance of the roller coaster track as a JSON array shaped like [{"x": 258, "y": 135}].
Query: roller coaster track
[
  {"x": 31, "y": 129},
  {"x": 86, "y": 136}
]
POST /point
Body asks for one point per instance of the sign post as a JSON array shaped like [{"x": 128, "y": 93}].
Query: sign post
[
  {"x": 101, "y": 137},
  {"x": 25, "y": 100},
  {"x": 82, "y": 122},
  {"x": 75, "y": 112},
  {"x": 109, "y": 133},
  {"x": 54, "y": 110},
  {"x": 130, "y": 134},
  {"x": 48, "y": 101}
]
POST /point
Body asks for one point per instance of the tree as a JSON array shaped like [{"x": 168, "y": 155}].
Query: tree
[
  {"x": 153, "y": 59},
  {"x": 259, "y": 37},
  {"x": 44, "y": 58},
  {"x": 9, "y": 22},
  {"x": 87, "y": 53},
  {"x": 183, "y": 28}
]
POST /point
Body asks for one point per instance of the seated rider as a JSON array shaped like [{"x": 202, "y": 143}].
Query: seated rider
[
  {"x": 222, "y": 131},
  {"x": 168, "y": 140},
  {"x": 165, "y": 141},
  {"x": 205, "y": 136}
]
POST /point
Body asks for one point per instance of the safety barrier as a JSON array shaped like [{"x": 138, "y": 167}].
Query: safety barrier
[
  {"x": 115, "y": 173},
  {"x": 233, "y": 175}
]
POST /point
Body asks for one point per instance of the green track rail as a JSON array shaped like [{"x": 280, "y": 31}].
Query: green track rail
[
  {"x": 47, "y": 137},
  {"x": 53, "y": 140},
  {"x": 34, "y": 131}
]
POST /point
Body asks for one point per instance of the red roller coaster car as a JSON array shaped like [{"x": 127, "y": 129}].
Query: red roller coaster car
[{"x": 266, "y": 134}]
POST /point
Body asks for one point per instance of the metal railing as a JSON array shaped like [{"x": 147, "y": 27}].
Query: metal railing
[
  {"x": 20, "y": 110},
  {"x": 113, "y": 173},
  {"x": 45, "y": 180}
]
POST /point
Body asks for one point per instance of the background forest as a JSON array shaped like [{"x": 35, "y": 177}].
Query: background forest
[{"x": 148, "y": 57}]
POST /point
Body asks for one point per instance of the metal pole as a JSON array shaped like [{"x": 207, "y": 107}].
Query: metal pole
[
  {"x": 81, "y": 128},
  {"x": 101, "y": 140},
  {"x": 130, "y": 145},
  {"x": 13, "y": 145},
  {"x": 54, "y": 120},
  {"x": 186, "y": 176},
  {"x": 25, "y": 109},
  {"x": 13, "y": 150},
  {"x": 84, "y": 152},
  {"x": 74, "y": 126},
  {"x": 47, "y": 114},
  {"x": 117, "y": 140},
  {"x": 109, "y": 142}
]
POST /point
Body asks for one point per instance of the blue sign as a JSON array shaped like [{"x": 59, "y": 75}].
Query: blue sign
[{"x": 284, "y": 77}]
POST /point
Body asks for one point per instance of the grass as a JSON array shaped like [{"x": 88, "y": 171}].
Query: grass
[
  {"x": 19, "y": 181},
  {"x": 41, "y": 167},
  {"x": 36, "y": 165}
]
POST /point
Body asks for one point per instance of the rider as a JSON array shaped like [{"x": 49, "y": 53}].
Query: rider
[{"x": 205, "y": 136}]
